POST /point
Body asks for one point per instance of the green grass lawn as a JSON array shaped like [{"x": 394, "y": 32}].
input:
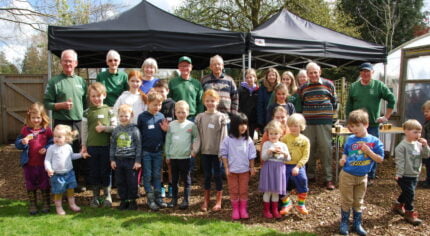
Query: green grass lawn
[{"x": 15, "y": 220}]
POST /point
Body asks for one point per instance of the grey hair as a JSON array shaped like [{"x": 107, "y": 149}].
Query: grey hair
[
  {"x": 74, "y": 53},
  {"x": 313, "y": 65},
  {"x": 114, "y": 54},
  {"x": 150, "y": 62},
  {"x": 216, "y": 57},
  {"x": 301, "y": 72}
]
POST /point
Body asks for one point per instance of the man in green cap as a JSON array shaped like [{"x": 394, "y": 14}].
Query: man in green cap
[{"x": 184, "y": 87}]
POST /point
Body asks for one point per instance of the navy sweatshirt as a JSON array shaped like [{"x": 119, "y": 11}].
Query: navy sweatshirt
[{"x": 152, "y": 135}]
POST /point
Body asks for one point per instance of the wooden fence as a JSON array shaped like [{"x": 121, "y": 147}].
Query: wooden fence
[
  {"x": 342, "y": 95},
  {"x": 18, "y": 92}
]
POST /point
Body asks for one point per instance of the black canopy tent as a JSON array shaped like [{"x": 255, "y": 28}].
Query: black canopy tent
[
  {"x": 145, "y": 31},
  {"x": 285, "y": 40},
  {"x": 288, "y": 40}
]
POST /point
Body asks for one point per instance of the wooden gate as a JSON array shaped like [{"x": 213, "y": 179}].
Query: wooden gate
[{"x": 18, "y": 92}]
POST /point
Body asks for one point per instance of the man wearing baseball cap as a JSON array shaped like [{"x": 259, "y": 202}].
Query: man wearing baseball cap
[
  {"x": 366, "y": 93},
  {"x": 184, "y": 87}
]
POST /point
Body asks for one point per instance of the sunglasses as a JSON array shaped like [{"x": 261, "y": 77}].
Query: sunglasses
[{"x": 111, "y": 60}]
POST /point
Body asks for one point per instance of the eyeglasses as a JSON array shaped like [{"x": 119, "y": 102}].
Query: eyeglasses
[{"x": 111, "y": 60}]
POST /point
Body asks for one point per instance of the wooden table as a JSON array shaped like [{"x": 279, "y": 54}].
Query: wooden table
[{"x": 345, "y": 132}]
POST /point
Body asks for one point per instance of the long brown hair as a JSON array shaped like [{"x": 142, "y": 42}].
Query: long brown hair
[{"x": 266, "y": 83}]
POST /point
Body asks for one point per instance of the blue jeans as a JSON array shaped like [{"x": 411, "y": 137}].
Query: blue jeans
[
  {"x": 374, "y": 130},
  {"x": 61, "y": 182},
  {"x": 152, "y": 162},
  {"x": 300, "y": 181}
]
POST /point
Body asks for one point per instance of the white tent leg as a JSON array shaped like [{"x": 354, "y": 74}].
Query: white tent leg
[
  {"x": 249, "y": 58},
  {"x": 243, "y": 66}
]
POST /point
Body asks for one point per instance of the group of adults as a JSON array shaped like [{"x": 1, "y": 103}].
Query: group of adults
[{"x": 66, "y": 96}]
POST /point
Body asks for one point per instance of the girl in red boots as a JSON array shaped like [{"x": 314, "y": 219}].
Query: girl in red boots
[{"x": 272, "y": 176}]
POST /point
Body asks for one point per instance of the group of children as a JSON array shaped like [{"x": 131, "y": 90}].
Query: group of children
[
  {"x": 136, "y": 144},
  {"x": 362, "y": 151}
]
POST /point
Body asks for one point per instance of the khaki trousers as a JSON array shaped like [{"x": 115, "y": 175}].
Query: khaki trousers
[
  {"x": 320, "y": 141},
  {"x": 352, "y": 190}
]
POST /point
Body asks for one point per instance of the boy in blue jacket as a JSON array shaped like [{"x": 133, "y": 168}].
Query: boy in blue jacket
[{"x": 153, "y": 127}]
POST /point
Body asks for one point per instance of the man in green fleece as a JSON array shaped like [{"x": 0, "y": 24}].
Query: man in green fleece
[
  {"x": 65, "y": 95},
  {"x": 184, "y": 87},
  {"x": 367, "y": 93}
]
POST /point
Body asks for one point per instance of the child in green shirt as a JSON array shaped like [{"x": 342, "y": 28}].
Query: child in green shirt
[{"x": 97, "y": 124}]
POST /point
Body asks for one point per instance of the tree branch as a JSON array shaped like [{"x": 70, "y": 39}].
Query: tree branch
[{"x": 32, "y": 25}]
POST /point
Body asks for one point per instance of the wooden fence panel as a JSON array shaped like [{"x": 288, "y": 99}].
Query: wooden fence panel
[{"x": 18, "y": 92}]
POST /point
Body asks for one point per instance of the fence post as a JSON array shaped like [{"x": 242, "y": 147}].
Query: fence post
[
  {"x": 343, "y": 94},
  {"x": 3, "y": 112}
]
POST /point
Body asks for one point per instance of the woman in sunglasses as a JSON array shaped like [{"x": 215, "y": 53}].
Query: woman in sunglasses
[{"x": 115, "y": 81}]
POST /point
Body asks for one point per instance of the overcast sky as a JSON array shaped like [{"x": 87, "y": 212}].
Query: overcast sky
[{"x": 16, "y": 42}]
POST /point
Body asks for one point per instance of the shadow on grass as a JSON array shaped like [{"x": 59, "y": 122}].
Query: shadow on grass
[
  {"x": 130, "y": 219},
  {"x": 12, "y": 208}
]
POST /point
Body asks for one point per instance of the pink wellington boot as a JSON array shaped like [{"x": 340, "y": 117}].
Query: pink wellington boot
[
  {"x": 243, "y": 209},
  {"x": 235, "y": 215},
  {"x": 59, "y": 207},
  {"x": 73, "y": 205}
]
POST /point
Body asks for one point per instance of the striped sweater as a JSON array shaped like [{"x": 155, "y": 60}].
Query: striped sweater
[
  {"x": 227, "y": 90},
  {"x": 319, "y": 102}
]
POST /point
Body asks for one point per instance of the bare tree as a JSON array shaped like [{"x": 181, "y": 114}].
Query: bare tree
[
  {"x": 387, "y": 12},
  {"x": 22, "y": 13},
  {"x": 387, "y": 22}
]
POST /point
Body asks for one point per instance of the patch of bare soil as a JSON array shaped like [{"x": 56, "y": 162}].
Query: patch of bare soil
[{"x": 324, "y": 205}]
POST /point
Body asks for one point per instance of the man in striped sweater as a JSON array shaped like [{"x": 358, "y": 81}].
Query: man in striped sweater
[
  {"x": 318, "y": 97},
  {"x": 223, "y": 84}
]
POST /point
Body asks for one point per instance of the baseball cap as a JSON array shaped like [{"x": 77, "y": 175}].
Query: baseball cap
[
  {"x": 185, "y": 58},
  {"x": 366, "y": 66}
]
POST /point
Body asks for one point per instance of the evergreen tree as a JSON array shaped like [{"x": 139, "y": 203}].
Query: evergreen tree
[{"x": 5, "y": 66}]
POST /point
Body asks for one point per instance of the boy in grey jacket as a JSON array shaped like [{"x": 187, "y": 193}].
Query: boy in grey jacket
[
  {"x": 126, "y": 157},
  {"x": 409, "y": 155}
]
